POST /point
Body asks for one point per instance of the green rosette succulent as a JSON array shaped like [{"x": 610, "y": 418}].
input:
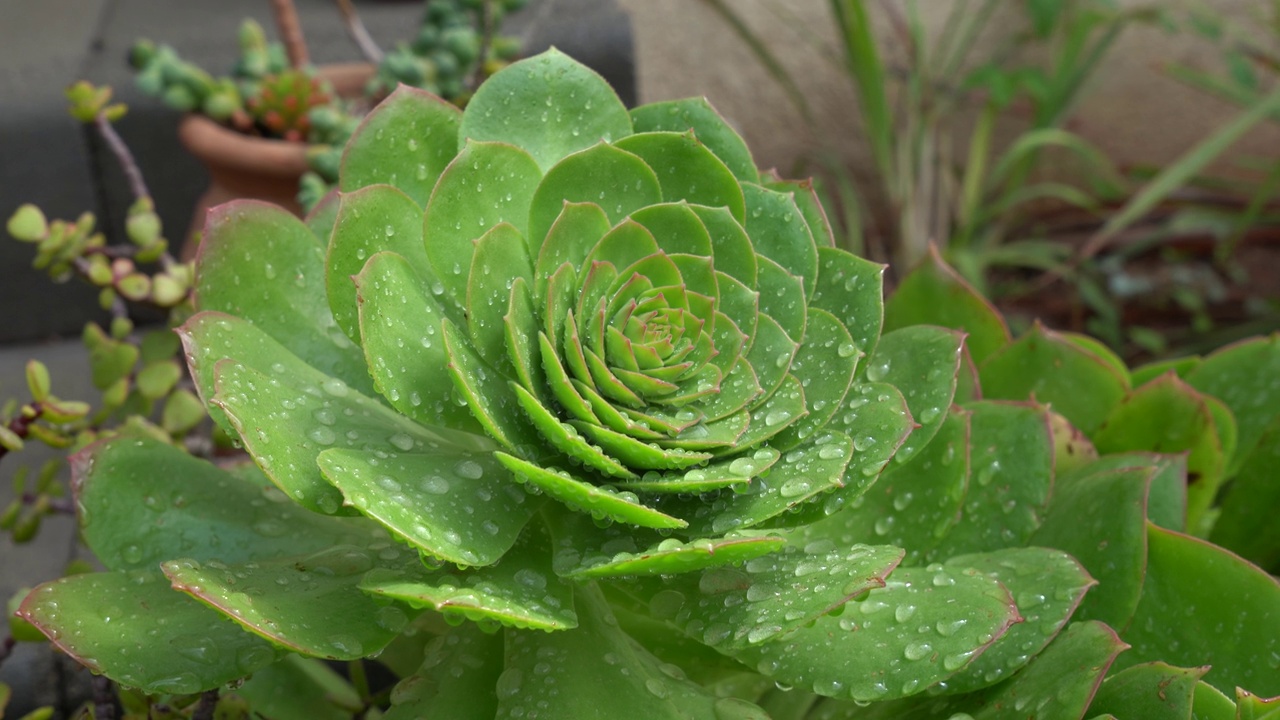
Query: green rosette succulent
[{"x": 589, "y": 387}]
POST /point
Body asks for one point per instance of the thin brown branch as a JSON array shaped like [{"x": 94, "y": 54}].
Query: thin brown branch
[
  {"x": 290, "y": 31},
  {"x": 132, "y": 172},
  {"x": 359, "y": 33}
]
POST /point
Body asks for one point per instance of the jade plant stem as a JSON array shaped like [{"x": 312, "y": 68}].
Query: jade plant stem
[{"x": 137, "y": 185}]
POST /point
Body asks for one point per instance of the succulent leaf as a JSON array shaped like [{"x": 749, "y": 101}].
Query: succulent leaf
[
  {"x": 292, "y": 601},
  {"x": 1046, "y": 585},
  {"x": 1150, "y": 690},
  {"x": 934, "y": 294},
  {"x": 111, "y": 611},
  {"x": 923, "y": 362},
  {"x": 136, "y": 517},
  {"x": 1099, "y": 517},
  {"x": 1243, "y": 377},
  {"x": 914, "y": 504},
  {"x": 401, "y": 332},
  {"x": 1010, "y": 477},
  {"x": 1052, "y": 369},
  {"x": 1246, "y": 523},
  {"x": 370, "y": 220},
  {"x": 921, "y": 628},
  {"x": 1238, "y": 634},
  {"x": 1167, "y": 416},
  {"x": 435, "y": 504},
  {"x": 486, "y": 184},
  {"x": 707, "y": 124},
  {"x": 280, "y": 288},
  {"x": 380, "y": 152},
  {"x": 735, "y": 609},
  {"x": 455, "y": 681},
  {"x": 520, "y": 592},
  {"x": 549, "y": 105}
]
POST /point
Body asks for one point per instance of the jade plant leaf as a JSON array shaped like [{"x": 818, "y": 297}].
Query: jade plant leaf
[
  {"x": 1183, "y": 619},
  {"x": 934, "y": 294}
]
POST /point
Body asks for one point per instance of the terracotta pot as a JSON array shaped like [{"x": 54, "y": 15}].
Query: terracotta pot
[{"x": 243, "y": 166}]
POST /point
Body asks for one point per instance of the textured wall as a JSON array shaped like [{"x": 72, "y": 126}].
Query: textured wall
[{"x": 1132, "y": 110}]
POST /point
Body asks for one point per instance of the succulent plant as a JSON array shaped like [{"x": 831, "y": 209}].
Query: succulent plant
[
  {"x": 262, "y": 96},
  {"x": 586, "y": 385},
  {"x": 446, "y": 51},
  {"x": 281, "y": 103}
]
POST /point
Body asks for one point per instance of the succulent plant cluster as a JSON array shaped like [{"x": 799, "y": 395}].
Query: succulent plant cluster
[
  {"x": 444, "y": 55},
  {"x": 588, "y": 387},
  {"x": 283, "y": 103},
  {"x": 262, "y": 96}
]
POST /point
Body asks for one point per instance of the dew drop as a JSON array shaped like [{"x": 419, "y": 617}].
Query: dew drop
[
  {"x": 322, "y": 435},
  {"x": 401, "y": 441}
]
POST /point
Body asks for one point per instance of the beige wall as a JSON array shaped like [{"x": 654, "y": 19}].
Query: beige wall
[{"x": 1134, "y": 111}]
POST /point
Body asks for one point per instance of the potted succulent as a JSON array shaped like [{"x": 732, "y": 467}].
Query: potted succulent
[
  {"x": 558, "y": 410},
  {"x": 276, "y": 118}
]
